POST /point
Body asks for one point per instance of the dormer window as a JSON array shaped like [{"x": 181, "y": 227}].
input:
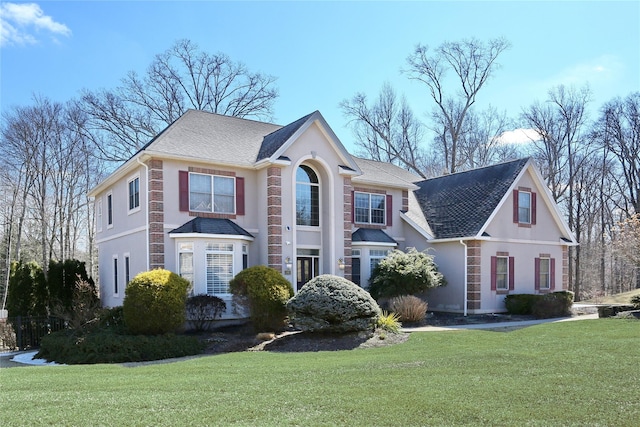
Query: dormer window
[
  {"x": 524, "y": 207},
  {"x": 307, "y": 197}
]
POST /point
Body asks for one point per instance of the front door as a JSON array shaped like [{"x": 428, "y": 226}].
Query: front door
[{"x": 307, "y": 269}]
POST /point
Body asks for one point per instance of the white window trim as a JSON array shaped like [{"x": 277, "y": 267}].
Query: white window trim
[
  {"x": 137, "y": 208},
  {"x": 212, "y": 177},
  {"x": 107, "y": 196},
  {"x": 506, "y": 281},
  {"x": 98, "y": 207},
  {"x": 369, "y": 222},
  {"x": 545, "y": 286},
  {"x": 528, "y": 221},
  {"x": 232, "y": 252}
]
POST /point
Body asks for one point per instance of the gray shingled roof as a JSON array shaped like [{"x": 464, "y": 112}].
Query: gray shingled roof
[
  {"x": 382, "y": 173},
  {"x": 371, "y": 235},
  {"x": 212, "y": 226},
  {"x": 272, "y": 142},
  {"x": 458, "y": 205},
  {"x": 213, "y": 137}
]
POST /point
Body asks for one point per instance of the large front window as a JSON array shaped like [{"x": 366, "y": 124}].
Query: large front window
[
  {"x": 219, "y": 257},
  {"x": 369, "y": 208},
  {"x": 211, "y": 193},
  {"x": 307, "y": 197}
]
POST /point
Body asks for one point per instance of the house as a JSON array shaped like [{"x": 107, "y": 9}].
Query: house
[{"x": 211, "y": 195}]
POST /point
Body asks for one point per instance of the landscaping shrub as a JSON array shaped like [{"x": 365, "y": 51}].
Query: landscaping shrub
[
  {"x": 154, "y": 302},
  {"x": 62, "y": 279},
  {"x": 106, "y": 346},
  {"x": 203, "y": 310},
  {"x": 389, "y": 322},
  {"x": 409, "y": 308},
  {"x": 635, "y": 301},
  {"x": 85, "y": 308},
  {"x": 554, "y": 304},
  {"x": 521, "y": 304},
  {"x": 333, "y": 304},
  {"x": 264, "y": 292},
  {"x": 404, "y": 273},
  {"x": 613, "y": 310},
  {"x": 112, "y": 318},
  {"x": 27, "y": 295}
]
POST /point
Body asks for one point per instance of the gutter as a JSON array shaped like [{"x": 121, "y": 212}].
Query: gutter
[
  {"x": 462, "y": 242},
  {"x": 146, "y": 184}
]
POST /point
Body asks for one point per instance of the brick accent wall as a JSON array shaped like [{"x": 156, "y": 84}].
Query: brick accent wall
[
  {"x": 156, "y": 214},
  {"x": 274, "y": 217},
  {"x": 347, "y": 188},
  {"x": 474, "y": 272}
]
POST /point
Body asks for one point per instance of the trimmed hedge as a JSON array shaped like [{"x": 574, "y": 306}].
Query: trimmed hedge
[
  {"x": 154, "y": 303},
  {"x": 264, "y": 292},
  {"x": 203, "y": 310},
  {"x": 613, "y": 310},
  {"x": 554, "y": 304},
  {"x": 106, "y": 346},
  {"x": 333, "y": 304}
]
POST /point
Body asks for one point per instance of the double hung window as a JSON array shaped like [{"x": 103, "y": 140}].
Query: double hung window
[
  {"x": 369, "y": 208},
  {"x": 134, "y": 193},
  {"x": 211, "y": 193},
  {"x": 219, "y": 262}
]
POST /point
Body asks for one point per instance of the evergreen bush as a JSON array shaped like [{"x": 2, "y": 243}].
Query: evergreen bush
[
  {"x": 635, "y": 301},
  {"x": 554, "y": 304},
  {"x": 404, "y": 273},
  {"x": 521, "y": 304},
  {"x": 154, "y": 303},
  {"x": 264, "y": 292},
  {"x": 28, "y": 294},
  {"x": 62, "y": 278},
  {"x": 334, "y": 304}
]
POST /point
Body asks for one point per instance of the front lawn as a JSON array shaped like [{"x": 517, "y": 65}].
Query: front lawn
[{"x": 582, "y": 373}]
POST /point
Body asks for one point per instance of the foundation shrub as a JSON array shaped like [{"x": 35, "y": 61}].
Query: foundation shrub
[
  {"x": 264, "y": 292},
  {"x": 154, "y": 303},
  {"x": 409, "y": 308},
  {"x": 404, "y": 273},
  {"x": 333, "y": 304},
  {"x": 107, "y": 346},
  {"x": 521, "y": 304},
  {"x": 203, "y": 310},
  {"x": 554, "y": 304}
]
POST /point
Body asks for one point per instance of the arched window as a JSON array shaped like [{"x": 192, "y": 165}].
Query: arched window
[{"x": 307, "y": 197}]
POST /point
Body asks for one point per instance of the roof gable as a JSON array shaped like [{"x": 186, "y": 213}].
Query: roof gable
[
  {"x": 459, "y": 205},
  {"x": 276, "y": 139}
]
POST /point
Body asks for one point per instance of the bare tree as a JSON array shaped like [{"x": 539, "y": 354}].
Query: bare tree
[
  {"x": 619, "y": 130},
  {"x": 386, "y": 130},
  {"x": 473, "y": 63},
  {"x": 181, "y": 78}
]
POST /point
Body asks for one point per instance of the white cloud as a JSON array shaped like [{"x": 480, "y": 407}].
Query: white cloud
[
  {"x": 595, "y": 71},
  {"x": 18, "y": 20},
  {"x": 519, "y": 136}
]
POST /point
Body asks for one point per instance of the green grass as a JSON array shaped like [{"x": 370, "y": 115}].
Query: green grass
[
  {"x": 582, "y": 373},
  {"x": 623, "y": 298}
]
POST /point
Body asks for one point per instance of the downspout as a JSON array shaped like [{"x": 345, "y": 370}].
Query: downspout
[
  {"x": 146, "y": 184},
  {"x": 466, "y": 284}
]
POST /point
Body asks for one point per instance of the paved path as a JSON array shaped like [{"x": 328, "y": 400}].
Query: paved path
[{"x": 498, "y": 325}]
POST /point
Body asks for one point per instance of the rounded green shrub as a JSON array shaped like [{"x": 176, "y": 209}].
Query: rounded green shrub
[
  {"x": 264, "y": 292},
  {"x": 203, "y": 310},
  {"x": 404, "y": 273},
  {"x": 333, "y": 304},
  {"x": 154, "y": 303}
]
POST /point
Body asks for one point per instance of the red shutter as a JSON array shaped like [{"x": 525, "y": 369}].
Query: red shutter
[
  {"x": 239, "y": 195},
  {"x": 533, "y": 208},
  {"x": 536, "y": 272},
  {"x": 183, "y": 189},
  {"x": 515, "y": 206},
  {"x": 389, "y": 210},
  {"x": 494, "y": 267},
  {"x": 552, "y": 273},
  {"x": 511, "y": 273},
  {"x": 353, "y": 208}
]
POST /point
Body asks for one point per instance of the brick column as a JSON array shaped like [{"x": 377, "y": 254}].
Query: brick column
[
  {"x": 274, "y": 217},
  {"x": 156, "y": 214},
  {"x": 347, "y": 188},
  {"x": 473, "y": 275}
]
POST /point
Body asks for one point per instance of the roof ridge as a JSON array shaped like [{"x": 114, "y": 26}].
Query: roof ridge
[{"x": 522, "y": 159}]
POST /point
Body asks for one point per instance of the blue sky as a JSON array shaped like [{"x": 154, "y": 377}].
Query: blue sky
[{"x": 322, "y": 52}]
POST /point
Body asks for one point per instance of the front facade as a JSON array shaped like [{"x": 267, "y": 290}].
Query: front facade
[{"x": 212, "y": 195}]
